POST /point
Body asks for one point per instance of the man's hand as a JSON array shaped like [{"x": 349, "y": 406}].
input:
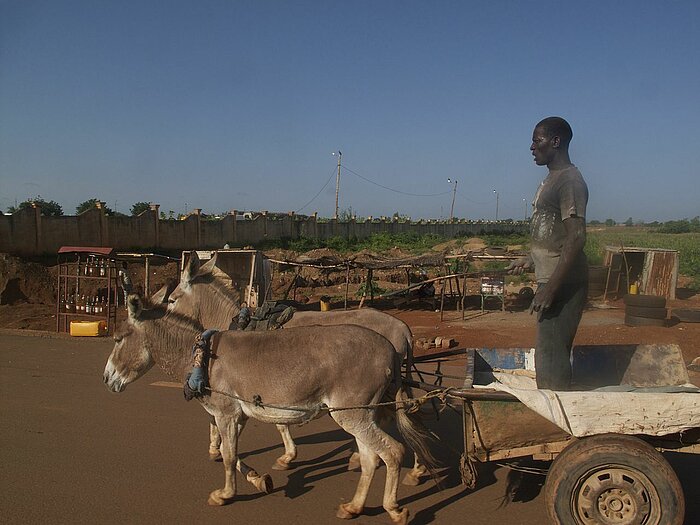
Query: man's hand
[
  {"x": 519, "y": 266},
  {"x": 544, "y": 297}
]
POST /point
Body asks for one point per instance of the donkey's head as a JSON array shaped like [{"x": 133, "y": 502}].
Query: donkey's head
[
  {"x": 204, "y": 294},
  {"x": 130, "y": 358}
]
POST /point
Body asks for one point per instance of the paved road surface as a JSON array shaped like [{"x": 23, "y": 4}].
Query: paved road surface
[{"x": 72, "y": 452}]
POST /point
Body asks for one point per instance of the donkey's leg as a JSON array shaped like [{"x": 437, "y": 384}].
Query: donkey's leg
[
  {"x": 412, "y": 477},
  {"x": 373, "y": 441},
  {"x": 228, "y": 426},
  {"x": 290, "y": 449},
  {"x": 368, "y": 463},
  {"x": 391, "y": 452},
  {"x": 214, "y": 441},
  {"x": 262, "y": 483}
]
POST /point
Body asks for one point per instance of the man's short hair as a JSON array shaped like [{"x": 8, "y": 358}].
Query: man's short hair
[{"x": 556, "y": 127}]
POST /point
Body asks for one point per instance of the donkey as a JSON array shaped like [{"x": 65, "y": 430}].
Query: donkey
[
  {"x": 204, "y": 295},
  {"x": 306, "y": 369}
]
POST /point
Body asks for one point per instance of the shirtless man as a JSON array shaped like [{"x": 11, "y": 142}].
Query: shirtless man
[{"x": 558, "y": 231}]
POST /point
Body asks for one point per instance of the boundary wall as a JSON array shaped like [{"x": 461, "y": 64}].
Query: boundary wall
[{"x": 28, "y": 233}]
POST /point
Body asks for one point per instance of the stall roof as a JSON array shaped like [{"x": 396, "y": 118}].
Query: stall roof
[
  {"x": 365, "y": 260},
  {"x": 101, "y": 250}
]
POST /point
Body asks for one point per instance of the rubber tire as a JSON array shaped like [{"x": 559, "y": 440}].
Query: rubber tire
[
  {"x": 649, "y": 301},
  {"x": 633, "y": 320},
  {"x": 645, "y": 311},
  {"x": 644, "y": 469},
  {"x": 687, "y": 315},
  {"x": 526, "y": 292}
]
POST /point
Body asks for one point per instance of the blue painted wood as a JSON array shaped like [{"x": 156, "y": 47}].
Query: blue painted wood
[{"x": 506, "y": 358}]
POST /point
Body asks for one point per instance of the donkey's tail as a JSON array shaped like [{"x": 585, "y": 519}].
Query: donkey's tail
[{"x": 416, "y": 434}]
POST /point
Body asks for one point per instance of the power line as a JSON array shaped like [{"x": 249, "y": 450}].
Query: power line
[
  {"x": 470, "y": 200},
  {"x": 319, "y": 192},
  {"x": 394, "y": 190}
]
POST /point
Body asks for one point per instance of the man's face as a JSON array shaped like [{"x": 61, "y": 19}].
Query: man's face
[{"x": 543, "y": 146}]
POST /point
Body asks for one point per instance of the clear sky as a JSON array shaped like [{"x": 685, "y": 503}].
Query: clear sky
[{"x": 238, "y": 104}]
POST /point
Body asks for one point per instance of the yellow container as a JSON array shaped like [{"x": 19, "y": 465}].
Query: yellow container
[
  {"x": 325, "y": 305},
  {"x": 88, "y": 328},
  {"x": 634, "y": 289}
]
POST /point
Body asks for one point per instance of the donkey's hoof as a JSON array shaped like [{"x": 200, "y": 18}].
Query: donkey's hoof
[
  {"x": 400, "y": 518},
  {"x": 264, "y": 484},
  {"x": 354, "y": 462},
  {"x": 215, "y": 456},
  {"x": 346, "y": 512},
  {"x": 280, "y": 465},
  {"x": 410, "y": 480},
  {"x": 217, "y": 498}
]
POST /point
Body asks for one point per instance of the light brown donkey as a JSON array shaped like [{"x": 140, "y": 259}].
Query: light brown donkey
[
  {"x": 204, "y": 293},
  {"x": 297, "y": 373}
]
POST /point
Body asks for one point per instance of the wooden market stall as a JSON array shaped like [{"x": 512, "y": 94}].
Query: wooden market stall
[{"x": 654, "y": 269}]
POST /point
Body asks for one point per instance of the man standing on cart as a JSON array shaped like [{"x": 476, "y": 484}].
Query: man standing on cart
[{"x": 558, "y": 235}]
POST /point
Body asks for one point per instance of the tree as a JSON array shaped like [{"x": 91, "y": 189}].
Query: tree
[
  {"x": 89, "y": 205},
  {"x": 48, "y": 208},
  {"x": 629, "y": 222},
  {"x": 609, "y": 222},
  {"x": 139, "y": 207}
]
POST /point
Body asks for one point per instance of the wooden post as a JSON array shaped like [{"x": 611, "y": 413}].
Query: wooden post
[
  {"x": 147, "y": 278},
  {"x": 347, "y": 284}
]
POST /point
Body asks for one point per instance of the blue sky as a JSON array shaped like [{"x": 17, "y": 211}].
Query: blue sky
[{"x": 238, "y": 105}]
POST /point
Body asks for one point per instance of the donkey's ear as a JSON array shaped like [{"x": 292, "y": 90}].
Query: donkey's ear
[
  {"x": 209, "y": 266},
  {"x": 135, "y": 306},
  {"x": 192, "y": 268},
  {"x": 162, "y": 295}
]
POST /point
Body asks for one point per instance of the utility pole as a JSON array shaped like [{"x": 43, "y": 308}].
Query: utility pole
[
  {"x": 454, "y": 193},
  {"x": 337, "y": 183},
  {"x": 525, "y": 205},
  {"x": 496, "y": 203}
]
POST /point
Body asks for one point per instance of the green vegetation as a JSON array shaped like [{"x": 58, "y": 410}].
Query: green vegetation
[
  {"x": 48, "y": 208},
  {"x": 378, "y": 242},
  {"x": 492, "y": 239},
  {"x": 139, "y": 207},
  {"x": 89, "y": 205},
  {"x": 372, "y": 290},
  {"x": 682, "y": 226}
]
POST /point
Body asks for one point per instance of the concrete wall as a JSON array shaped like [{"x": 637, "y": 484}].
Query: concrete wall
[{"x": 29, "y": 233}]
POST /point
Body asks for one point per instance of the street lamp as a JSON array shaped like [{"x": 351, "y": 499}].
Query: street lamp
[
  {"x": 337, "y": 182},
  {"x": 454, "y": 192},
  {"x": 525, "y": 206},
  {"x": 496, "y": 203}
]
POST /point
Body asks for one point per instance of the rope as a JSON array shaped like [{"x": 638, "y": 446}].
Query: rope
[
  {"x": 412, "y": 404},
  {"x": 528, "y": 470}
]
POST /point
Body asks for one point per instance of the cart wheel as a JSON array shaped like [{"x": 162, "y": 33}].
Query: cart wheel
[{"x": 613, "y": 479}]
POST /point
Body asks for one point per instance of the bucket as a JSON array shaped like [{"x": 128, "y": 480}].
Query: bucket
[
  {"x": 325, "y": 304},
  {"x": 634, "y": 289}
]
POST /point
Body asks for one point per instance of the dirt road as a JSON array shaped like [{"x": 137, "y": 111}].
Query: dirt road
[{"x": 72, "y": 452}]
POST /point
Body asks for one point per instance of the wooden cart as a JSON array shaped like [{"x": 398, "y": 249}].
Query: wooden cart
[{"x": 601, "y": 479}]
